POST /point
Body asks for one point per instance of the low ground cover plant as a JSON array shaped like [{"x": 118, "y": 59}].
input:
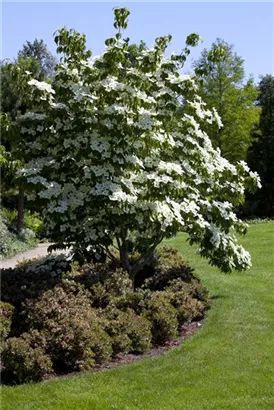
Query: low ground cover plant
[{"x": 60, "y": 317}]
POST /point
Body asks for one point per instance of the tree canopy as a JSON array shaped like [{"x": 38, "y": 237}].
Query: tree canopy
[{"x": 119, "y": 157}]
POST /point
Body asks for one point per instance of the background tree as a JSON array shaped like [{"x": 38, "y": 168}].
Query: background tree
[
  {"x": 36, "y": 59},
  {"x": 223, "y": 87},
  {"x": 38, "y": 50},
  {"x": 261, "y": 153}
]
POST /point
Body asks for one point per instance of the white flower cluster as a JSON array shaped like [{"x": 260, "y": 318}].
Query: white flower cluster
[
  {"x": 111, "y": 83},
  {"x": 42, "y": 86},
  {"x": 51, "y": 264}
]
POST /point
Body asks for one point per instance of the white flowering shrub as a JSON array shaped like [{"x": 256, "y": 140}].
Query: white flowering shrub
[
  {"x": 53, "y": 265},
  {"x": 118, "y": 154}
]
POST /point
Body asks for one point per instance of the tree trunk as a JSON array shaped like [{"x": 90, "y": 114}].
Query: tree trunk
[
  {"x": 144, "y": 259},
  {"x": 20, "y": 210},
  {"x": 124, "y": 259}
]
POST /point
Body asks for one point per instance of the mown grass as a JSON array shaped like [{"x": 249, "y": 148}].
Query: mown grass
[{"x": 226, "y": 365}]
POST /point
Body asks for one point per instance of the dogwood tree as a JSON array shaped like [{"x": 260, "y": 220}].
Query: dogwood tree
[{"x": 119, "y": 157}]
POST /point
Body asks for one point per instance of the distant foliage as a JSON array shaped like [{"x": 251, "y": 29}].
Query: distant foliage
[
  {"x": 39, "y": 51},
  {"x": 223, "y": 87},
  {"x": 36, "y": 59},
  {"x": 32, "y": 221},
  {"x": 4, "y": 235}
]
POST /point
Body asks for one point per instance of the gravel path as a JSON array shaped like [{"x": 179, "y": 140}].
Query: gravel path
[{"x": 40, "y": 250}]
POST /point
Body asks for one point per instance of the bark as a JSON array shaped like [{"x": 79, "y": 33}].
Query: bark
[
  {"x": 20, "y": 210},
  {"x": 144, "y": 259},
  {"x": 124, "y": 258},
  {"x": 122, "y": 244}
]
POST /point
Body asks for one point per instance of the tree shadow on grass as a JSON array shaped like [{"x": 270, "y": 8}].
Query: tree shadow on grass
[{"x": 216, "y": 297}]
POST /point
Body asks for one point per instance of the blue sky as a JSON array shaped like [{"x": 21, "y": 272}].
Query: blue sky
[{"x": 247, "y": 25}]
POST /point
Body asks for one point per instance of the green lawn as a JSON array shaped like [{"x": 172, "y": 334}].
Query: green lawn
[{"x": 227, "y": 364}]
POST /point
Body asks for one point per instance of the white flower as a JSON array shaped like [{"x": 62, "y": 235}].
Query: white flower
[
  {"x": 111, "y": 83},
  {"x": 42, "y": 85},
  {"x": 217, "y": 118}
]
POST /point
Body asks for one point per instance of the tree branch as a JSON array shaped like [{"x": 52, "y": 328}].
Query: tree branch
[{"x": 110, "y": 255}]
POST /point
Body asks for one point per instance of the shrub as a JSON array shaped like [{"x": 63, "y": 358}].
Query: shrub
[
  {"x": 194, "y": 289},
  {"x": 187, "y": 308},
  {"x": 129, "y": 332},
  {"x": 139, "y": 332},
  {"x": 32, "y": 221},
  {"x": 104, "y": 281},
  {"x": 72, "y": 329},
  {"x": 75, "y": 317},
  {"x": 23, "y": 363},
  {"x": 170, "y": 266},
  {"x": 133, "y": 299},
  {"x": 30, "y": 278},
  {"x": 100, "y": 343},
  {"x": 162, "y": 316},
  {"x": 52, "y": 264},
  {"x": 6, "y": 313},
  {"x": 5, "y": 235}
]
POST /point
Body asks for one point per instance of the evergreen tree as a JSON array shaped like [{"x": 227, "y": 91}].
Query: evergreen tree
[
  {"x": 261, "y": 154},
  {"x": 39, "y": 51}
]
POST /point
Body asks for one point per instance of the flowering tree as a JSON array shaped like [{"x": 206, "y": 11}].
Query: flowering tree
[{"x": 118, "y": 155}]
